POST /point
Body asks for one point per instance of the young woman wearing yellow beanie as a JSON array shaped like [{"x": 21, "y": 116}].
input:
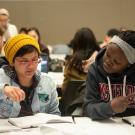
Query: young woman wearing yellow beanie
[{"x": 23, "y": 90}]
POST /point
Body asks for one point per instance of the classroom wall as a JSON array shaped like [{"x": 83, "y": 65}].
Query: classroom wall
[{"x": 58, "y": 20}]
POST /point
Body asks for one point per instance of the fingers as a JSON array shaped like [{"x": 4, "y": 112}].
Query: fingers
[
  {"x": 85, "y": 66},
  {"x": 11, "y": 96},
  {"x": 15, "y": 93},
  {"x": 131, "y": 95},
  {"x": 20, "y": 95},
  {"x": 84, "y": 62},
  {"x": 120, "y": 104},
  {"x": 125, "y": 105},
  {"x": 15, "y": 96},
  {"x": 125, "y": 101}
]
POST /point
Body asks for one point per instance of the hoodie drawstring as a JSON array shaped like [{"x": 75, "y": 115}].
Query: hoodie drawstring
[
  {"x": 124, "y": 86},
  {"x": 110, "y": 89}
]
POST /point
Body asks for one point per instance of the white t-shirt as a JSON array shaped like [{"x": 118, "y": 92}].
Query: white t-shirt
[{"x": 11, "y": 31}]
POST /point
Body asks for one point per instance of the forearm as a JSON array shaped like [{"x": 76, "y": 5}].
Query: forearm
[{"x": 99, "y": 111}]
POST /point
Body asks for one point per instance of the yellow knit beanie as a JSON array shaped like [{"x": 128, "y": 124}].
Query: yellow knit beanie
[{"x": 15, "y": 43}]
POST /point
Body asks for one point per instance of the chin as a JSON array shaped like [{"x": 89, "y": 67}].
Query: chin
[{"x": 29, "y": 75}]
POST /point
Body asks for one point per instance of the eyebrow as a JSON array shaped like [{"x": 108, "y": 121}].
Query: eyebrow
[{"x": 28, "y": 58}]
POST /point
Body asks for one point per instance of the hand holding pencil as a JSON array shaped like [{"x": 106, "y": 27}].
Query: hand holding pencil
[{"x": 120, "y": 104}]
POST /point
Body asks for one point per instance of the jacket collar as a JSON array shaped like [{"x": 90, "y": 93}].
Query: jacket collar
[{"x": 9, "y": 71}]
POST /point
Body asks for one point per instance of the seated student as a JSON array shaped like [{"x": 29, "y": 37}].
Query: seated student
[
  {"x": 83, "y": 44},
  {"x": 34, "y": 32},
  {"x": 9, "y": 29},
  {"x": 110, "y": 84},
  {"x": 23, "y": 90}
]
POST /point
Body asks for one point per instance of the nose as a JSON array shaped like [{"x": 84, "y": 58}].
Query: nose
[{"x": 30, "y": 65}]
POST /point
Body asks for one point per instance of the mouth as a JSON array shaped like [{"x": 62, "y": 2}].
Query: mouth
[{"x": 29, "y": 72}]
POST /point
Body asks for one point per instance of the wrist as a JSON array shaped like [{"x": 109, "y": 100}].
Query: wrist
[{"x": 112, "y": 106}]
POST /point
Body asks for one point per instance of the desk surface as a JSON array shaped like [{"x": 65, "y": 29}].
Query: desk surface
[
  {"x": 106, "y": 127},
  {"x": 83, "y": 126}
]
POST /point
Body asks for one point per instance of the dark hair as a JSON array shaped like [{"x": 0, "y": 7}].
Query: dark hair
[
  {"x": 37, "y": 32},
  {"x": 128, "y": 36},
  {"x": 43, "y": 48},
  {"x": 25, "y": 50},
  {"x": 84, "y": 44},
  {"x": 112, "y": 32},
  {"x": 23, "y": 29}
]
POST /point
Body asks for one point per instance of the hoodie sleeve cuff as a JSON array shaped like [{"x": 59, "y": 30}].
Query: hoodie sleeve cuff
[{"x": 109, "y": 109}]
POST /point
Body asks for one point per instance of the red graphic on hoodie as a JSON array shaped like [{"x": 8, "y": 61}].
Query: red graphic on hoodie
[{"x": 117, "y": 90}]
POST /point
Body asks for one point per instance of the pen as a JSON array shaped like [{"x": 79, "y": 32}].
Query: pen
[
  {"x": 73, "y": 119},
  {"x": 128, "y": 122}
]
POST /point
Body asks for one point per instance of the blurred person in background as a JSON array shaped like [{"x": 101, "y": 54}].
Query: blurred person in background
[
  {"x": 1, "y": 41},
  {"x": 110, "y": 33},
  {"x": 34, "y": 32},
  {"x": 84, "y": 44},
  {"x": 23, "y": 30},
  {"x": 9, "y": 29}
]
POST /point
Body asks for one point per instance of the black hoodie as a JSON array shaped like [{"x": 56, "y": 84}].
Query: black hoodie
[{"x": 97, "y": 96}]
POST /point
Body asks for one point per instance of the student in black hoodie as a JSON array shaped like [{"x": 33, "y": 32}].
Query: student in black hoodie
[{"x": 110, "y": 85}]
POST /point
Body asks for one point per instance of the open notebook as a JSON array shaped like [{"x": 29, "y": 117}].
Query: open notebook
[{"x": 38, "y": 119}]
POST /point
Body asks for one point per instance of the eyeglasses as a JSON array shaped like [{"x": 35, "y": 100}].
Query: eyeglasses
[{"x": 27, "y": 62}]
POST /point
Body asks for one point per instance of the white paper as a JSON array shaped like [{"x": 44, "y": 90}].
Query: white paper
[{"x": 38, "y": 119}]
